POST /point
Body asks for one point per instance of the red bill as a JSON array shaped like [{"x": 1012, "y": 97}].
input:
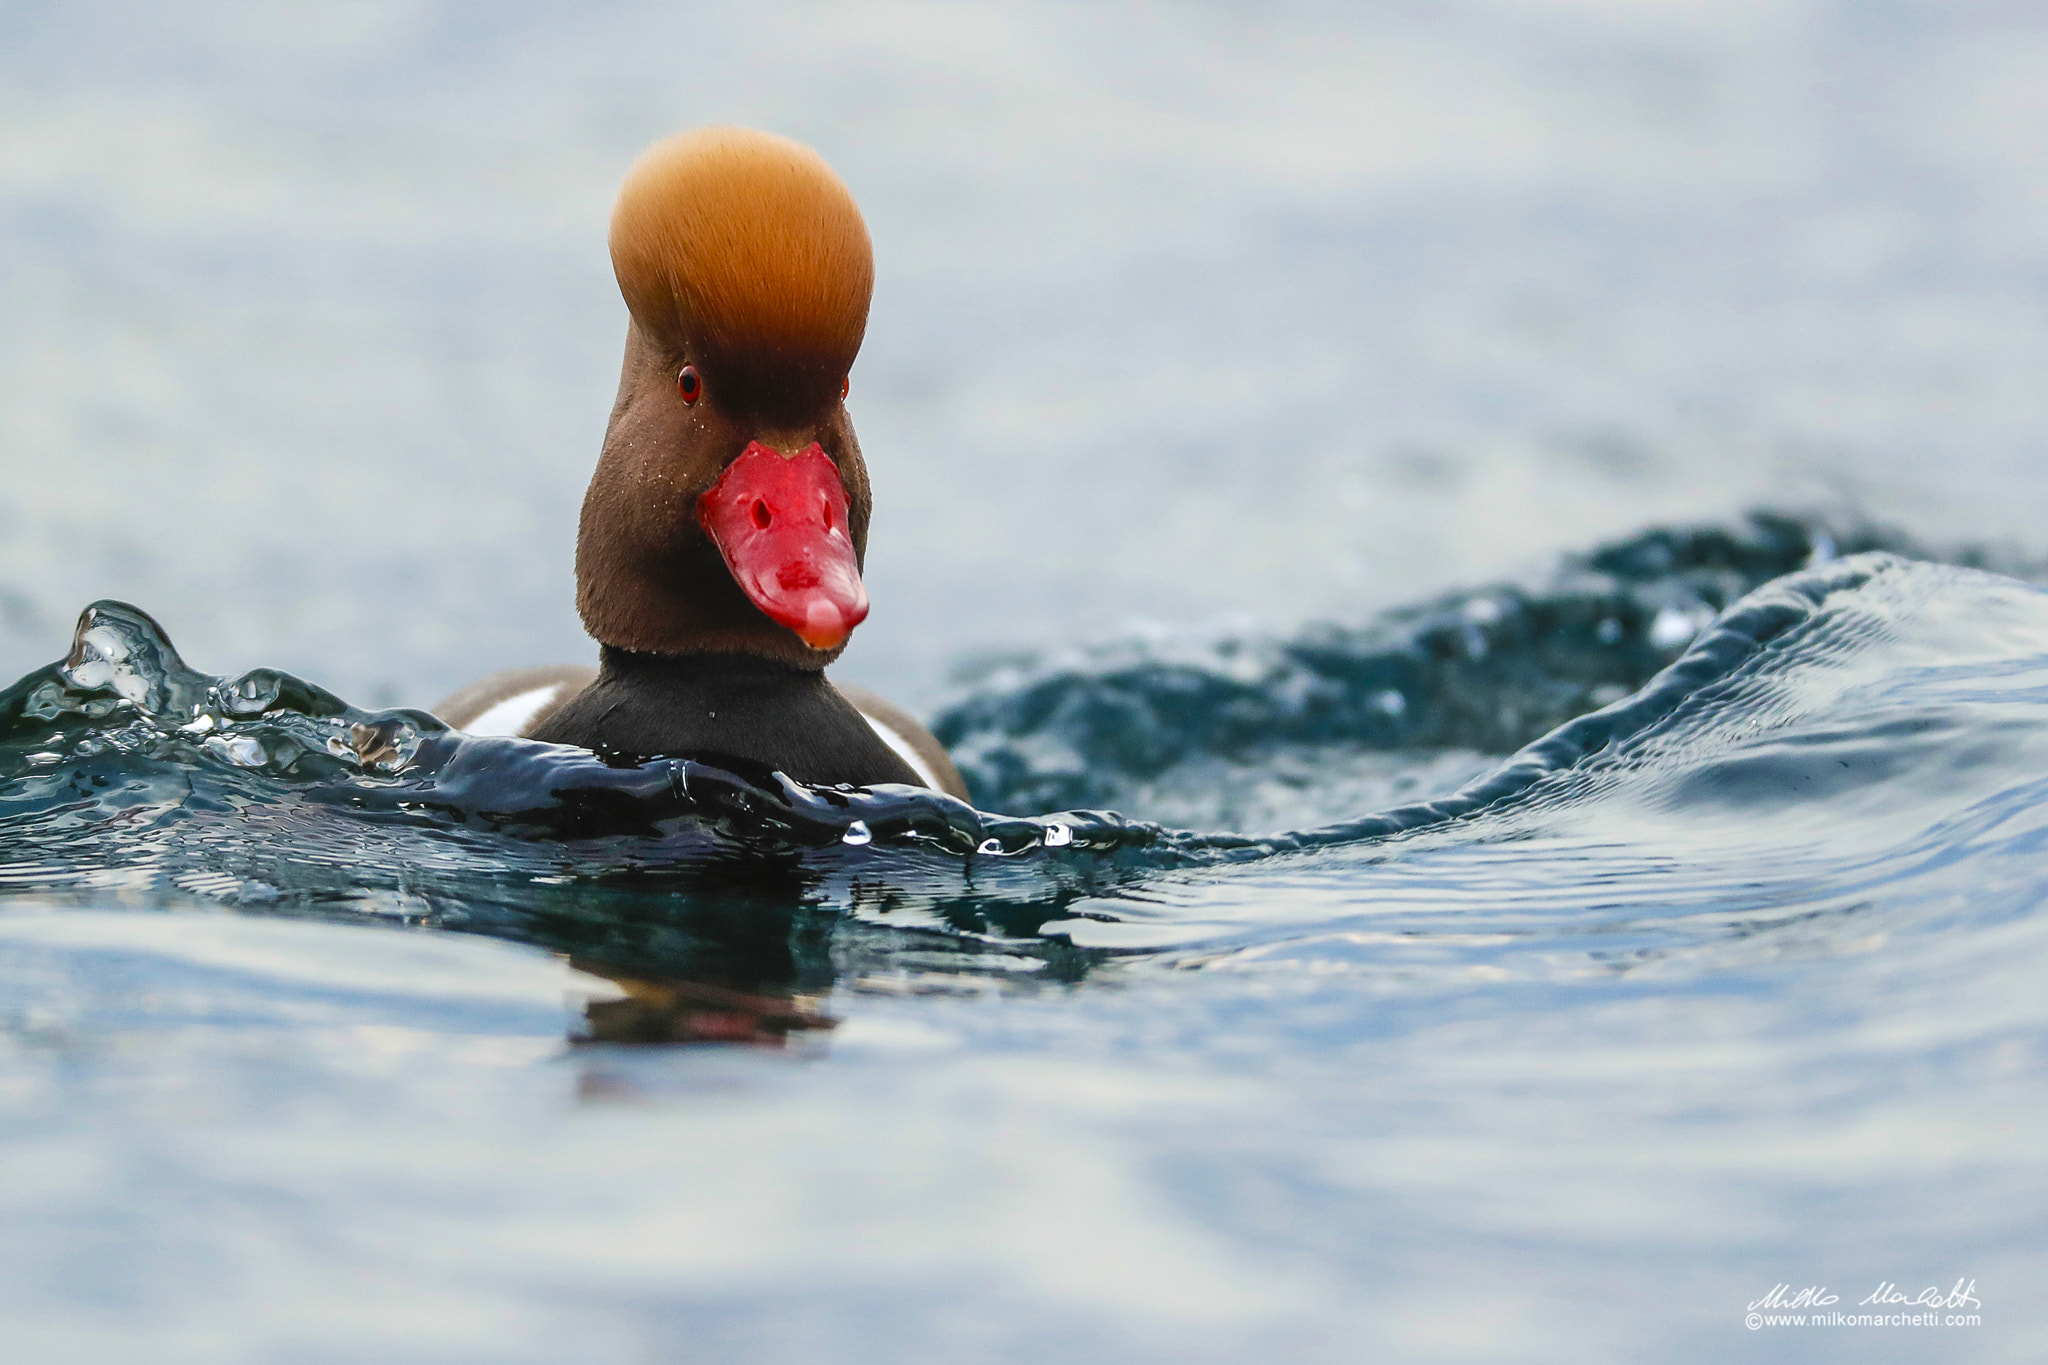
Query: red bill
[{"x": 782, "y": 526}]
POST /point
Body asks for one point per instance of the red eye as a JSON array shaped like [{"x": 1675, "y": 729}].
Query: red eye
[
  {"x": 688, "y": 384},
  {"x": 845, "y": 387}
]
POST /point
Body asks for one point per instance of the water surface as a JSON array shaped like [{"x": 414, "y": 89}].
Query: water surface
[{"x": 1729, "y": 976}]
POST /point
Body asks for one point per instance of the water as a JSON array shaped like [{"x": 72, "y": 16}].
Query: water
[
  {"x": 1281, "y": 418},
  {"x": 1726, "y": 977}
]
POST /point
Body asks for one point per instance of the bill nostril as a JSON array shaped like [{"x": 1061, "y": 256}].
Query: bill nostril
[{"x": 761, "y": 514}]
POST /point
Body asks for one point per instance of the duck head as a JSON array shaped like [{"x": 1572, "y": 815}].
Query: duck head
[{"x": 729, "y": 511}]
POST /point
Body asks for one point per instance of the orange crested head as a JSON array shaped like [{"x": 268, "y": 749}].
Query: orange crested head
[{"x": 743, "y": 254}]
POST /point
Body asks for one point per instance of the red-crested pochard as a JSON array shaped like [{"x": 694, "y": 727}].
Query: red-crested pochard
[{"x": 718, "y": 559}]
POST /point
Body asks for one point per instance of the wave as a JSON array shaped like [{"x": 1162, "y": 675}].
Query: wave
[
  {"x": 1481, "y": 671},
  {"x": 1865, "y": 694}
]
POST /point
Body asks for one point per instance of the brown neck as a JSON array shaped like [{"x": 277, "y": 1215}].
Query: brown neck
[{"x": 648, "y": 579}]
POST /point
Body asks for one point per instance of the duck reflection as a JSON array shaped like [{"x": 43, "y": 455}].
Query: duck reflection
[
  {"x": 747, "y": 947},
  {"x": 676, "y": 1010},
  {"x": 739, "y": 954}
]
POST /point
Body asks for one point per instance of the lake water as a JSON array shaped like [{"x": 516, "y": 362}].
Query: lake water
[{"x": 1549, "y": 907}]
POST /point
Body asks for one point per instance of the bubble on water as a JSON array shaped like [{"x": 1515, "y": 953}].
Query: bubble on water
[
  {"x": 1057, "y": 835},
  {"x": 857, "y": 834}
]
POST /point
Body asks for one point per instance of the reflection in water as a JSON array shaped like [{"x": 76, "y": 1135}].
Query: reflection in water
[
  {"x": 747, "y": 963},
  {"x": 676, "y": 1011}
]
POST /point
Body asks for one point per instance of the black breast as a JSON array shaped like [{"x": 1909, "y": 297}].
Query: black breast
[{"x": 717, "y": 707}]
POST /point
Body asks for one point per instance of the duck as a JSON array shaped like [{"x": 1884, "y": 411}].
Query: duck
[{"x": 723, "y": 536}]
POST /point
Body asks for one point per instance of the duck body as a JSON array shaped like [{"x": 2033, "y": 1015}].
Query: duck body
[
  {"x": 713, "y": 707},
  {"x": 719, "y": 553}
]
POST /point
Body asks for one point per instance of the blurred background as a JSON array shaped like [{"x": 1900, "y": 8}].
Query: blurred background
[{"x": 1186, "y": 314}]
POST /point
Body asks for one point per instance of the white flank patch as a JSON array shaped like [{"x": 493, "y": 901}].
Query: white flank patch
[
  {"x": 902, "y": 748},
  {"x": 512, "y": 715}
]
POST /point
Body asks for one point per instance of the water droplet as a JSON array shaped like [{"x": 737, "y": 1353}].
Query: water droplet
[
  {"x": 1673, "y": 628},
  {"x": 1058, "y": 835},
  {"x": 384, "y": 745},
  {"x": 857, "y": 834}
]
